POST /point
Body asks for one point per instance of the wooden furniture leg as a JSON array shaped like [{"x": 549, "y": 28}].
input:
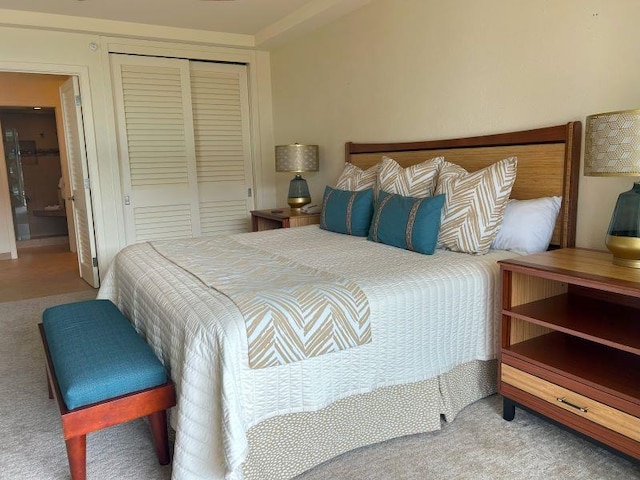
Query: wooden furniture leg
[
  {"x": 508, "y": 409},
  {"x": 158, "y": 425},
  {"x": 49, "y": 384},
  {"x": 77, "y": 455}
]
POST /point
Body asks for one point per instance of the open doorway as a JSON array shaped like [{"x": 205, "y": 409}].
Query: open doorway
[
  {"x": 34, "y": 172},
  {"x": 41, "y": 139}
]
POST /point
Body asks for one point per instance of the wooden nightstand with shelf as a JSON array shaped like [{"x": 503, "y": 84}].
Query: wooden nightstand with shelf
[
  {"x": 571, "y": 343},
  {"x": 281, "y": 218}
]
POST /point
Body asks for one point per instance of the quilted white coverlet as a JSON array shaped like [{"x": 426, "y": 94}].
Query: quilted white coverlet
[
  {"x": 291, "y": 311},
  {"x": 428, "y": 314}
]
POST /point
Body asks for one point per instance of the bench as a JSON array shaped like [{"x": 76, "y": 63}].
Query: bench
[{"x": 102, "y": 373}]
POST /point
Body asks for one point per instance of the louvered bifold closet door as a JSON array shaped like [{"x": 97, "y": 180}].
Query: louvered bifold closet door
[
  {"x": 157, "y": 152},
  {"x": 220, "y": 104}
]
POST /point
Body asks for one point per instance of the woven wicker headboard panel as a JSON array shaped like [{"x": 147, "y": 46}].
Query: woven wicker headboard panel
[{"x": 548, "y": 163}]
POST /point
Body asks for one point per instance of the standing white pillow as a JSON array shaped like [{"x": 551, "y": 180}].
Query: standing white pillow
[{"x": 527, "y": 225}]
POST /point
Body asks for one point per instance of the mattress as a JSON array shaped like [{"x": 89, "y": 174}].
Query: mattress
[{"x": 428, "y": 315}]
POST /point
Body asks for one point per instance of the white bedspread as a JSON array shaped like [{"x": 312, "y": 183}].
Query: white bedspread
[
  {"x": 428, "y": 314},
  {"x": 291, "y": 311}
]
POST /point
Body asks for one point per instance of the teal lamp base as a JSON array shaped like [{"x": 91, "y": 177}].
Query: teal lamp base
[
  {"x": 298, "y": 192},
  {"x": 623, "y": 236}
]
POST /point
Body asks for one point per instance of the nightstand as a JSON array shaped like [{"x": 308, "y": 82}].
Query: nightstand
[
  {"x": 281, "y": 218},
  {"x": 571, "y": 343}
]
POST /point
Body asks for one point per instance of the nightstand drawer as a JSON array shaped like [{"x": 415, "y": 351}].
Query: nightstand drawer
[{"x": 573, "y": 402}]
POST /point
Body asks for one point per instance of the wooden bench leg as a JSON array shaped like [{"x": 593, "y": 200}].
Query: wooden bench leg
[
  {"x": 49, "y": 384},
  {"x": 77, "y": 454},
  {"x": 158, "y": 425}
]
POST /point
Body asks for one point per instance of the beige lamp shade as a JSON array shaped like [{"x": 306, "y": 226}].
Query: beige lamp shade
[
  {"x": 612, "y": 144},
  {"x": 297, "y": 158}
]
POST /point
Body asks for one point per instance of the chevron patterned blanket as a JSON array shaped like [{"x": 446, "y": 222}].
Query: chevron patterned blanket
[{"x": 291, "y": 311}]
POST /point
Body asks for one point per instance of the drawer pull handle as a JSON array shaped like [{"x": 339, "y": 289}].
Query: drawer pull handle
[{"x": 563, "y": 400}]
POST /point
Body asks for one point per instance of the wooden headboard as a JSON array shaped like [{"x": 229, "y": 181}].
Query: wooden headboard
[{"x": 548, "y": 163}]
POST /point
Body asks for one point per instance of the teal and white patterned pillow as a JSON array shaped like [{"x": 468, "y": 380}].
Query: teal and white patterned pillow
[
  {"x": 346, "y": 211},
  {"x": 414, "y": 181},
  {"x": 474, "y": 205},
  {"x": 407, "y": 222},
  {"x": 355, "y": 179}
]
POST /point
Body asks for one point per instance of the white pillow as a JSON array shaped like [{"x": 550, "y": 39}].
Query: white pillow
[{"x": 527, "y": 225}]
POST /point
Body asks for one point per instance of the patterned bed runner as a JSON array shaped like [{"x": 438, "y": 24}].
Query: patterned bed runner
[{"x": 291, "y": 311}]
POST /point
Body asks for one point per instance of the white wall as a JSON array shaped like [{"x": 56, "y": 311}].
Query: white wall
[
  {"x": 425, "y": 69},
  {"x": 86, "y": 55}
]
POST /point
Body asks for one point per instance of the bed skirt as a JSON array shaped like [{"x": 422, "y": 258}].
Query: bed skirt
[{"x": 285, "y": 446}]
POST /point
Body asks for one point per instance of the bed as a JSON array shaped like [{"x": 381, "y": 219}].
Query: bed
[{"x": 428, "y": 344}]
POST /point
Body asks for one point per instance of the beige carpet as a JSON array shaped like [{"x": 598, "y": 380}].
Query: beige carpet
[{"x": 478, "y": 445}]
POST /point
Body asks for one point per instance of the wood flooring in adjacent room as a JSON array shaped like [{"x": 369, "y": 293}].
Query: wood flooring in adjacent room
[{"x": 40, "y": 272}]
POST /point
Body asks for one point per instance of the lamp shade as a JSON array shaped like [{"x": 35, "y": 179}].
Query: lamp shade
[
  {"x": 297, "y": 158},
  {"x": 612, "y": 144}
]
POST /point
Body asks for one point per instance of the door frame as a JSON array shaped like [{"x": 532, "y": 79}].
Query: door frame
[
  {"x": 82, "y": 73},
  {"x": 6, "y": 202}
]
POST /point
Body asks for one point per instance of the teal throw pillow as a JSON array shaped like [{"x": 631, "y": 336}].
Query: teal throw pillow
[
  {"x": 407, "y": 222},
  {"x": 344, "y": 211}
]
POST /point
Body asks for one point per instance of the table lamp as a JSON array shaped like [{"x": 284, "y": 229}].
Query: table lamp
[
  {"x": 297, "y": 158},
  {"x": 612, "y": 148}
]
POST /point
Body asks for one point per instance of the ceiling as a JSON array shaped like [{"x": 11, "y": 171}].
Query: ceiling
[{"x": 257, "y": 18}]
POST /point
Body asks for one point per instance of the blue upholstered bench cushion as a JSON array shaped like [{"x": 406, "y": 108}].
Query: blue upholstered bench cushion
[{"x": 97, "y": 354}]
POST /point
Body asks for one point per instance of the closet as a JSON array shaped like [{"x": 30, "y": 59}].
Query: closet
[{"x": 184, "y": 145}]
